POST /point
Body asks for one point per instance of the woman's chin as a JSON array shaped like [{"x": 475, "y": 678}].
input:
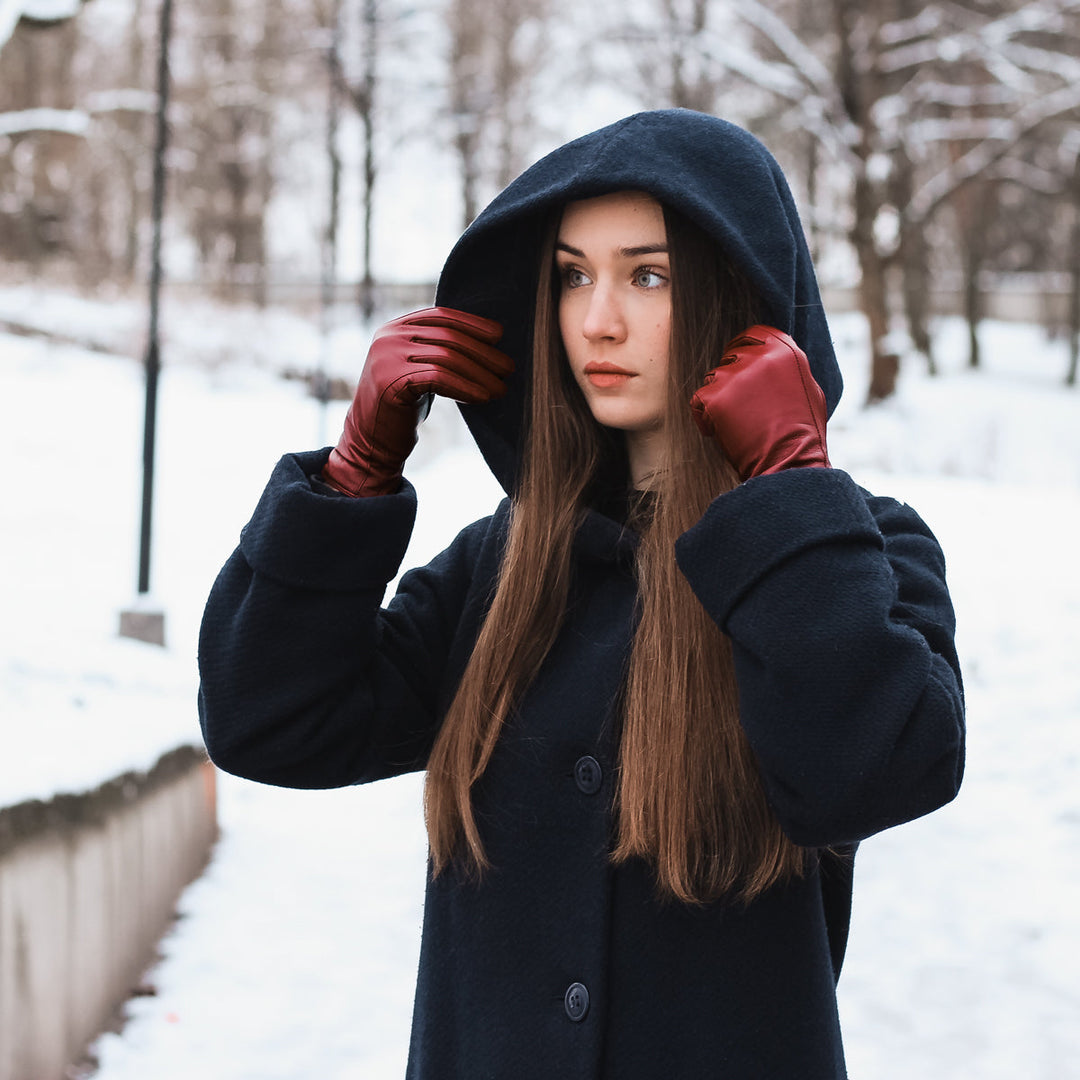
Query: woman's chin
[{"x": 623, "y": 416}]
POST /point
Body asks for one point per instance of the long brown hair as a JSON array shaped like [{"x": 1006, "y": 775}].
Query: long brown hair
[{"x": 689, "y": 795}]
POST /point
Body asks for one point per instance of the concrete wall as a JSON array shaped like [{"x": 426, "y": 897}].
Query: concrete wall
[{"x": 88, "y": 885}]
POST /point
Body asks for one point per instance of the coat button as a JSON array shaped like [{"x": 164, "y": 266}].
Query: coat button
[
  {"x": 576, "y": 1002},
  {"x": 588, "y": 775}
]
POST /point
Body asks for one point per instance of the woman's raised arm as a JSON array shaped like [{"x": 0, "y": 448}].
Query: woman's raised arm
[
  {"x": 306, "y": 681},
  {"x": 842, "y": 630}
]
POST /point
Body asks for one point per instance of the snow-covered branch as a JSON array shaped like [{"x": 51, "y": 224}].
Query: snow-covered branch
[
  {"x": 994, "y": 44},
  {"x": 1029, "y": 176},
  {"x": 801, "y": 78},
  {"x": 77, "y": 121},
  {"x": 958, "y": 95},
  {"x": 68, "y": 121},
  {"x": 802, "y": 59},
  {"x": 927, "y": 22},
  {"x": 1012, "y": 61},
  {"x": 1069, "y": 150},
  {"x": 987, "y": 153},
  {"x": 1044, "y": 60},
  {"x": 11, "y": 11},
  {"x": 834, "y": 133},
  {"x": 953, "y": 49},
  {"x": 960, "y": 129},
  {"x": 130, "y": 99},
  {"x": 778, "y": 79},
  {"x": 1029, "y": 18}
]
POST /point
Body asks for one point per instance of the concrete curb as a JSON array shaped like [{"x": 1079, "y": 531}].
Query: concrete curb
[{"x": 88, "y": 885}]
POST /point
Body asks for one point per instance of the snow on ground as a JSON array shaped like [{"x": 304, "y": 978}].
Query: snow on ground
[{"x": 295, "y": 954}]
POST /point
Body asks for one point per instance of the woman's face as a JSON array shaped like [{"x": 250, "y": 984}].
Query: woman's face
[{"x": 615, "y": 307}]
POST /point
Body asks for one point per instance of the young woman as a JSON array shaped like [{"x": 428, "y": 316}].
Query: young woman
[{"x": 666, "y": 688}]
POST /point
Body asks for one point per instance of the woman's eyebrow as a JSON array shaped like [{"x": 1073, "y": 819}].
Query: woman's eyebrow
[{"x": 624, "y": 252}]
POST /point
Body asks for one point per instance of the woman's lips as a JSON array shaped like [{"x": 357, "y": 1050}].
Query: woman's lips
[{"x": 606, "y": 376}]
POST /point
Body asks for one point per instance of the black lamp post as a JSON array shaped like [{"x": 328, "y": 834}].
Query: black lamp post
[{"x": 142, "y": 623}]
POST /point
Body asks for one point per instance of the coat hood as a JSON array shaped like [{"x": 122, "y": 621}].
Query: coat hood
[{"x": 716, "y": 174}]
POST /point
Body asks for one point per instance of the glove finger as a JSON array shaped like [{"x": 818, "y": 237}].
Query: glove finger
[
  {"x": 474, "y": 325},
  {"x": 430, "y": 379},
  {"x": 701, "y": 416},
  {"x": 479, "y": 351},
  {"x": 742, "y": 341},
  {"x": 717, "y": 380},
  {"x": 469, "y": 393},
  {"x": 458, "y": 363}
]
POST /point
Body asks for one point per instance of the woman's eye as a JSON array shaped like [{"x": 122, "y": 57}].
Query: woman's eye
[
  {"x": 573, "y": 278},
  {"x": 647, "y": 278}
]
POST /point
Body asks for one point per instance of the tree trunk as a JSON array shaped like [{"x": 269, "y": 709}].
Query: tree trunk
[
  {"x": 367, "y": 117},
  {"x": 884, "y": 364},
  {"x": 328, "y": 285},
  {"x": 133, "y": 203},
  {"x": 858, "y": 89},
  {"x": 1074, "y": 276},
  {"x": 914, "y": 260},
  {"x": 333, "y": 157},
  {"x": 466, "y": 145},
  {"x": 508, "y": 18},
  {"x": 873, "y": 294},
  {"x": 976, "y": 207},
  {"x": 813, "y": 157},
  {"x": 973, "y": 304},
  {"x": 915, "y": 255},
  {"x": 470, "y": 96}
]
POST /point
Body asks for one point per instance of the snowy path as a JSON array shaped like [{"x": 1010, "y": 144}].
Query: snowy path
[
  {"x": 295, "y": 956},
  {"x": 296, "y": 953}
]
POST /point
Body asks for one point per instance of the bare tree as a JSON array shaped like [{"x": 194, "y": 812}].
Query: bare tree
[
  {"x": 329, "y": 20},
  {"x": 44, "y": 130},
  {"x": 469, "y": 95},
  {"x": 670, "y": 46},
  {"x": 1074, "y": 273},
  {"x": 231, "y": 57},
  {"x": 690, "y": 85},
  {"x": 887, "y": 86},
  {"x": 361, "y": 87},
  {"x": 495, "y": 50}
]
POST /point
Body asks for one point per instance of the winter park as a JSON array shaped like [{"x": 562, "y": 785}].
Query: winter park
[{"x": 251, "y": 214}]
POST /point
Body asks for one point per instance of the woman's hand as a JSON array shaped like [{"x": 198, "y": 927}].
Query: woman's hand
[
  {"x": 763, "y": 406},
  {"x": 434, "y": 351}
]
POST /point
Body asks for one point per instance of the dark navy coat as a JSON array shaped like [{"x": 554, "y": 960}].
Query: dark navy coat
[{"x": 558, "y": 964}]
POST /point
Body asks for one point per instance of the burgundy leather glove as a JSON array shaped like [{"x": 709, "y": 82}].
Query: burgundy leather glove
[
  {"x": 434, "y": 351},
  {"x": 763, "y": 406}
]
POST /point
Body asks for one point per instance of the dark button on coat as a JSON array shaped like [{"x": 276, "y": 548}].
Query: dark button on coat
[{"x": 588, "y": 775}]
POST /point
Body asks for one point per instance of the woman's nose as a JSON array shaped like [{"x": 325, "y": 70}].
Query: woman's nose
[{"x": 604, "y": 319}]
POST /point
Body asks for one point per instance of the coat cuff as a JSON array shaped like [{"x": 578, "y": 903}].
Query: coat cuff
[
  {"x": 302, "y": 537},
  {"x": 748, "y": 532}
]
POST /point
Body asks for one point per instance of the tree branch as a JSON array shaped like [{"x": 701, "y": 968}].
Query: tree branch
[
  {"x": 68, "y": 121},
  {"x": 40, "y": 11},
  {"x": 939, "y": 188}
]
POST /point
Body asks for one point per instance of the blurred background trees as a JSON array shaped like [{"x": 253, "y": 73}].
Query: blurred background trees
[{"x": 934, "y": 147}]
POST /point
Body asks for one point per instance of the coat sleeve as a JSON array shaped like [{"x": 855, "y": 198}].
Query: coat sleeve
[
  {"x": 305, "y": 680},
  {"x": 842, "y": 631}
]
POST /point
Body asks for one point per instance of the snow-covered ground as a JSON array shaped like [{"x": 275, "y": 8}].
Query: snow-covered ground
[{"x": 295, "y": 954}]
